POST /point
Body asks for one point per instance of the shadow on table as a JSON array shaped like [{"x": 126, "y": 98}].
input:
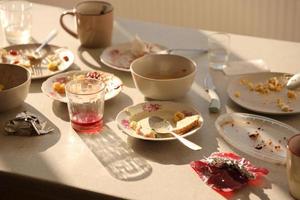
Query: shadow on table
[
  {"x": 85, "y": 53},
  {"x": 116, "y": 156},
  {"x": 60, "y": 109},
  {"x": 113, "y": 106},
  {"x": 23, "y": 154},
  {"x": 173, "y": 152},
  {"x": 256, "y": 189},
  {"x": 24, "y": 187}
]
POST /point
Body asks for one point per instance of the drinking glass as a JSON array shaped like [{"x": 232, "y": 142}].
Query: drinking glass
[
  {"x": 218, "y": 50},
  {"x": 293, "y": 165},
  {"x": 16, "y": 21},
  {"x": 86, "y": 104}
]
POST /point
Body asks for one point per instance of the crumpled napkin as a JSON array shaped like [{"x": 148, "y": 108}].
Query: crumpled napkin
[
  {"x": 226, "y": 172},
  {"x": 26, "y": 124},
  {"x": 246, "y": 67}
]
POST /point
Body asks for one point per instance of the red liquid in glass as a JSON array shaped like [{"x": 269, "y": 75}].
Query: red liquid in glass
[{"x": 87, "y": 122}]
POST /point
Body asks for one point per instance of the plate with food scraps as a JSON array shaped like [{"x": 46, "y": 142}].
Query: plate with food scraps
[
  {"x": 258, "y": 136},
  {"x": 52, "y": 59},
  {"x": 54, "y": 87},
  {"x": 265, "y": 93},
  {"x": 120, "y": 56},
  {"x": 134, "y": 120}
]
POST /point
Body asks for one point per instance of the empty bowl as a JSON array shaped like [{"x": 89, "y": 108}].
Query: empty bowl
[
  {"x": 14, "y": 85},
  {"x": 163, "y": 77}
]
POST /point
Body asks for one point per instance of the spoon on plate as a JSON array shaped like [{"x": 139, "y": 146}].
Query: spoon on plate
[
  {"x": 162, "y": 126},
  {"x": 170, "y": 51},
  {"x": 36, "y": 54},
  {"x": 293, "y": 82}
]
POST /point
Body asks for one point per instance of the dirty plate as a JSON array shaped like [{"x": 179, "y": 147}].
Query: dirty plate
[
  {"x": 112, "y": 82},
  {"x": 164, "y": 109},
  {"x": 260, "y": 137},
  {"x": 39, "y": 68},
  {"x": 263, "y": 103},
  {"x": 120, "y": 57}
]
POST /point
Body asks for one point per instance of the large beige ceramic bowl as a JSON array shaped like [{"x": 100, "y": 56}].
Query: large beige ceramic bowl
[
  {"x": 163, "y": 77},
  {"x": 16, "y": 81}
]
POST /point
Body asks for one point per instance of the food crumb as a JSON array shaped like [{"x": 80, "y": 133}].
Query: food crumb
[
  {"x": 291, "y": 94},
  {"x": 254, "y": 135},
  {"x": 66, "y": 58},
  {"x": 237, "y": 94},
  {"x": 277, "y": 147}
]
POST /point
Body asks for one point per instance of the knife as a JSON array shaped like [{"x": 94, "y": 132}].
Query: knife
[{"x": 214, "y": 105}]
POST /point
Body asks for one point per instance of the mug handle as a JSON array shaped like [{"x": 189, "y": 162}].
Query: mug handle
[{"x": 64, "y": 26}]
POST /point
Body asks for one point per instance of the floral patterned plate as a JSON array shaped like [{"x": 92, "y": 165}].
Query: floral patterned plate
[
  {"x": 120, "y": 56},
  {"x": 163, "y": 109},
  {"x": 113, "y": 84}
]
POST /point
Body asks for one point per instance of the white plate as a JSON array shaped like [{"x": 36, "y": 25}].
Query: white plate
[
  {"x": 113, "y": 85},
  {"x": 235, "y": 129},
  {"x": 262, "y": 103},
  {"x": 47, "y": 50},
  {"x": 163, "y": 109},
  {"x": 119, "y": 56}
]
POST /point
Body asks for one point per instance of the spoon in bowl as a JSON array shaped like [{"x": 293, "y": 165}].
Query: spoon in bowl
[{"x": 162, "y": 126}]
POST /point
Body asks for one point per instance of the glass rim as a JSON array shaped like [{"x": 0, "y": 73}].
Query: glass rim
[
  {"x": 27, "y": 5},
  {"x": 77, "y": 10},
  {"x": 91, "y": 93}
]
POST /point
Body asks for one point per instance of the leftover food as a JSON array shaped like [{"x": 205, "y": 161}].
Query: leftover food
[{"x": 226, "y": 172}]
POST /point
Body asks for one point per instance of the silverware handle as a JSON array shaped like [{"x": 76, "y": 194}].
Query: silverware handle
[
  {"x": 50, "y": 36},
  {"x": 201, "y": 51},
  {"x": 186, "y": 142},
  {"x": 215, "y": 104}
]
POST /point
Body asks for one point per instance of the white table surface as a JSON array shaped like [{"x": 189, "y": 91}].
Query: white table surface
[{"x": 63, "y": 157}]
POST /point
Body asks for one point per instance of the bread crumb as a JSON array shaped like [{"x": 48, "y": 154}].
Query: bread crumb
[
  {"x": 237, "y": 94},
  {"x": 291, "y": 94}
]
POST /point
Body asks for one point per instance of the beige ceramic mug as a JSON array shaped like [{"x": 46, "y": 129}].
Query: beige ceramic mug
[
  {"x": 94, "y": 20},
  {"x": 293, "y": 165}
]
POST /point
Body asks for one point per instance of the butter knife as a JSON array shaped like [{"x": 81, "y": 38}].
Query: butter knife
[{"x": 215, "y": 104}]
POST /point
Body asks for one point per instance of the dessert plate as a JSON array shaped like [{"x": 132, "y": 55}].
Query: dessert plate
[
  {"x": 260, "y": 98},
  {"x": 260, "y": 137},
  {"x": 64, "y": 58},
  {"x": 164, "y": 109},
  {"x": 120, "y": 56},
  {"x": 113, "y": 84}
]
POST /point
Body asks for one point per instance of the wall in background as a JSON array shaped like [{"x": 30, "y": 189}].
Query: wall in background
[{"x": 279, "y": 19}]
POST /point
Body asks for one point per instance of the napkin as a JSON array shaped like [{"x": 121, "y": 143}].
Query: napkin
[
  {"x": 226, "y": 171},
  {"x": 246, "y": 67}
]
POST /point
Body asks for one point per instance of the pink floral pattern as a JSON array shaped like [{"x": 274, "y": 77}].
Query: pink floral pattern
[
  {"x": 151, "y": 107},
  {"x": 61, "y": 80},
  {"x": 187, "y": 113},
  {"x": 125, "y": 123}
]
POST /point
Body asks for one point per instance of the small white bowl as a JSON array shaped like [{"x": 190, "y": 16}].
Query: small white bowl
[
  {"x": 163, "y": 77},
  {"x": 16, "y": 81}
]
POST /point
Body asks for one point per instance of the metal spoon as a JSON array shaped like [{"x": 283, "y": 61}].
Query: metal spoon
[
  {"x": 36, "y": 54},
  {"x": 294, "y": 82},
  {"x": 162, "y": 126},
  {"x": 169, "y": 51}
]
